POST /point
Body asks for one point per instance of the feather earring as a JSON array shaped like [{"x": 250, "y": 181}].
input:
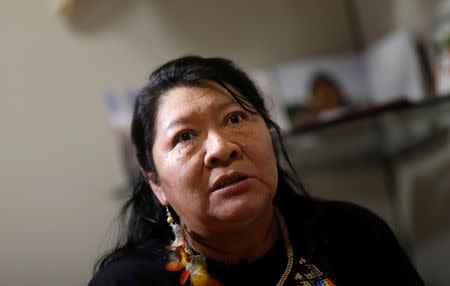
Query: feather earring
[
  {"x": 183, "y": 258},
  {"x": 178, "y": 256},
  {"x": 176, "y": 229}
]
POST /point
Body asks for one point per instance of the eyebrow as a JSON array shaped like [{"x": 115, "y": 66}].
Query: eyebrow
[
  {"x": 187, "y": 119},
  {"x": 179, "y": 121},
  {"x": 225, "y": 105}
]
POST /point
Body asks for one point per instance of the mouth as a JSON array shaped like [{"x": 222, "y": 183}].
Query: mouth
[{"x": 227, "y": 180}]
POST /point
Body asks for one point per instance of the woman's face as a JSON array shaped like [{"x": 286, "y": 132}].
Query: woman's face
[{"x": 215, "y": 161}]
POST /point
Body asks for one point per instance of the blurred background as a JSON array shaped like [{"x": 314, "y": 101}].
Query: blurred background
[{"x": 360, "y": 87}]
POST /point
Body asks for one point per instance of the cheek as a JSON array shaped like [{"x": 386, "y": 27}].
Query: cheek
[
  {"x": 268, "y": 154},
  {"x": 178, "y": 173},
  {"x": 266, "y": 148},
  {"x": 183, "y": 153},
  {"x": 258, "y": 144}
]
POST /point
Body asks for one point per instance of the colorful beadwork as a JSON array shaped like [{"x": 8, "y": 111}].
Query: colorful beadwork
[
  {"x": 308, "y": 274},
  {"x": 194, "y": 265}
]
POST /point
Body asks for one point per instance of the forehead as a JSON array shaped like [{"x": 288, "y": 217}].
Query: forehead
[
  {"x": 205, "y": 96},
  {"x": 208, "y": 92},
  {"x": 185, "y": 100}
]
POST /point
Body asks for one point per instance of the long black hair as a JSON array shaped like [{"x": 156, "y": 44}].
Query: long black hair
[{"x": 142, "y": 216}]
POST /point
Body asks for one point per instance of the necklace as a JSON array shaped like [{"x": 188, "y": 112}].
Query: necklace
[
  {"x": 195, "y": 265},
  {"x": 288, "y": 246}
]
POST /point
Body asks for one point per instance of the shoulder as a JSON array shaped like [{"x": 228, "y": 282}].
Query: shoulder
[
  {"x": 337, "y": 224},
  {"x": 345, "y": 214},
  {"x": 312, "y": 211},
  {"x": 348, "y": 221},
  {"x": 143, "y": 266},
  {"x": 343, "y": 236}
]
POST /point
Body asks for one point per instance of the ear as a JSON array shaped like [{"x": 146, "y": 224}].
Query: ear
[{"x": 156, "y": 187}]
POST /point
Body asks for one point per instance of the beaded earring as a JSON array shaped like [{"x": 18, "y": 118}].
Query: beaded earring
[
  {"x": 170, "y": 219},
  {"x": 178, "y": 235}
]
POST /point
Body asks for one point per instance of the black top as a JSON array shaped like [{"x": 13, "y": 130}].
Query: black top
[{"x": 350, "y": 244}]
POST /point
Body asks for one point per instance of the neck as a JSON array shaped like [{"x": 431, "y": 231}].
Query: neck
[{"x": 249, "y": 241}]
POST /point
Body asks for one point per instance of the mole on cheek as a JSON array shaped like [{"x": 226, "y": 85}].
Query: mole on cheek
[
  {"x": 182, "y": 154},
  {"x": 179, "y": 155}
]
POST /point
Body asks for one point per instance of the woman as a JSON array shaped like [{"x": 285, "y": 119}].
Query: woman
[
  {"x": 326, "y": 94},
  {"x": 214, "y": 206}
]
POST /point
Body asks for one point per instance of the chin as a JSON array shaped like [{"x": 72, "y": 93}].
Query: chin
[{"x": 241, "y": 210}]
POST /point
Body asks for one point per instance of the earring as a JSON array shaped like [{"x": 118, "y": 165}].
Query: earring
[
  {"x": 176, "y": 230},
  {"x": 181, "y": 257},
  {"x": 170, "y": 219}
]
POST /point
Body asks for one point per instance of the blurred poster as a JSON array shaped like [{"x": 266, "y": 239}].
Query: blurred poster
[
  {"x": 394, "y": 69},
  {"x": 325, "y": 88},
  {"x": 266, "y": 82},
  {"x": 120, "y": 105},
  {"x": 441, "y": 48}
]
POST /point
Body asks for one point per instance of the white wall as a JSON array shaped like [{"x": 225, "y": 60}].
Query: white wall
[{"x": 58, "y": 158}]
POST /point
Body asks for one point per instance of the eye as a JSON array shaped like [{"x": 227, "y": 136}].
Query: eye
[
  {"x": 235, "y": 117},
  {"x": 184, "y": 136}
]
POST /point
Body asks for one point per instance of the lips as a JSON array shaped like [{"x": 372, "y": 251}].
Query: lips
[{"x": 226, "y": 180}]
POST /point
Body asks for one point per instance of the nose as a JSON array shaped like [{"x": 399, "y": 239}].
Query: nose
[{"x": 220, "y": 150}]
